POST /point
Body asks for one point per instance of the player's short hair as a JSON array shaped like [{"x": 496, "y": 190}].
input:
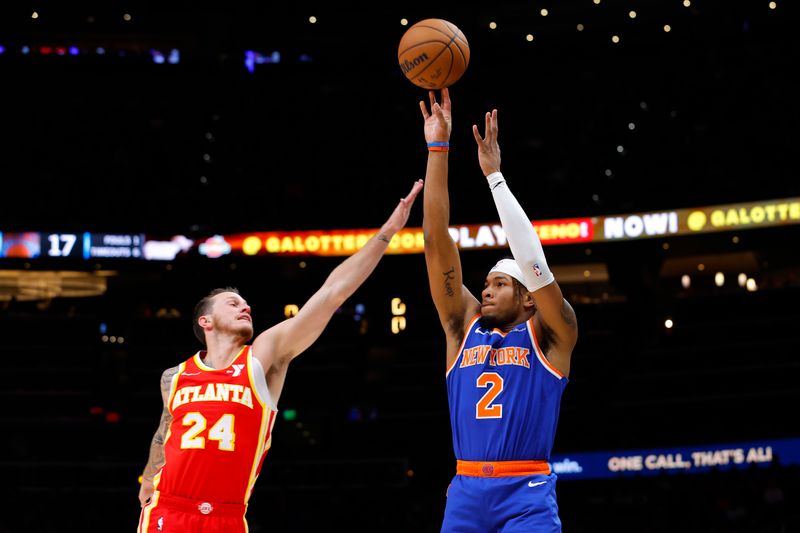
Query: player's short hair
[{"x": 203, "y": 307}]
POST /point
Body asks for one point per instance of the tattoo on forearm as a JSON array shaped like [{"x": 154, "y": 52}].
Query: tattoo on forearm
[
  {"x": 384, "y": 238},
  {"x": 449, "y": 276},
  {"x": 156, "y": 457}
]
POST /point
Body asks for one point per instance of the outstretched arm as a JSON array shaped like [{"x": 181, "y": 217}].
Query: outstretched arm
[
  {"x": 555, "y": 315},
  {"x": 156, "y": 458},
  {"x": 453, "y": 301},
  {"x": 278, "y": 345}
]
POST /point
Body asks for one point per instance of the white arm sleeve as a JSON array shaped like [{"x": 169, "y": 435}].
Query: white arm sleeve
[{"x": 522, "y": 238}]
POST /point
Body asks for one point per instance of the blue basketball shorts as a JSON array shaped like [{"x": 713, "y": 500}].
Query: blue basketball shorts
[{"x": 502, "y": 504}]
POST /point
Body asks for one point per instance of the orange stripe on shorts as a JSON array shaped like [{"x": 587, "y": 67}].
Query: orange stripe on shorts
[{"x": 501, "y": 468}]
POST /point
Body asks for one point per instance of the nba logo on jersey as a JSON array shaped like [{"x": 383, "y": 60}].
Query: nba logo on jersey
[
  {"x": 537, "y": 270},
  {"x": 160, "y": 523}
]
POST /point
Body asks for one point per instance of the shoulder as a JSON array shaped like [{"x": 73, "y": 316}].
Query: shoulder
[
  {"x": 168, "y": 374},
  {"x": 171, "y": 371}
]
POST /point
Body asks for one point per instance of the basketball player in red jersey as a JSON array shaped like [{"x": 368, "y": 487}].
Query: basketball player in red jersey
[
  {"x": 508, "y": 354},
  {"x": 220, "y": 404}
]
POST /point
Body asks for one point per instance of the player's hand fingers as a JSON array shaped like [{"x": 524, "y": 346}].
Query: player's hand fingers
[
  {"x": 436, "y": 109},
  {"x": 477, "y": 135},
  {"x": 424, "y": 110},
  {"x": 446, "y": 98},
  {"x": 404, "y": 207},
  {"x": 409, "y": 200},
  {"x": 414, "y": 191}
]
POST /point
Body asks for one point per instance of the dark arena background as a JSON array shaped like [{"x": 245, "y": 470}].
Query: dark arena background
[{"x": 152, "y": 151}]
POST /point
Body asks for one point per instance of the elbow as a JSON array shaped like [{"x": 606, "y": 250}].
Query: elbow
[
  {"x": 435, "y": 223},
  {"x": 335, "y": 295},
  {"x": 426, "y": 234},
  {"x": 426, "y": 227},
  {"x": 433, "y": 236}
]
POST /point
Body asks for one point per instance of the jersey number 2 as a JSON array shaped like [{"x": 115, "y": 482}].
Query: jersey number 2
[
  {"x": 222, "y": 432},
  {"x": 484, "y": 408}
]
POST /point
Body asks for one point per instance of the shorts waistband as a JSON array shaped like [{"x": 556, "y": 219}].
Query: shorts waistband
[
  {"x": 501, "y": 468},
  {"x": 201, "y": 507}
]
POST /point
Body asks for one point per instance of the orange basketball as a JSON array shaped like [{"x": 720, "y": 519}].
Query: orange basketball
[{"x": 433, "y": 54}]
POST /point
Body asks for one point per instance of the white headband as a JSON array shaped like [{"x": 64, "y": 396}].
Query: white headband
[{"x": 510, "y": 268}]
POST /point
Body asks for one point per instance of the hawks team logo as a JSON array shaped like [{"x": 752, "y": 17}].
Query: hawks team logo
[{"x": 205, "y": 508}]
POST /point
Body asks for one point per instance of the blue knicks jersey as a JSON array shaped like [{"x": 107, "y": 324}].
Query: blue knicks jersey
[{"x": 504, "y": 396}]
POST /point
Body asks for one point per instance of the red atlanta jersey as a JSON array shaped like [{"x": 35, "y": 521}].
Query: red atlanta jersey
[{"x": 220, "y": 432}]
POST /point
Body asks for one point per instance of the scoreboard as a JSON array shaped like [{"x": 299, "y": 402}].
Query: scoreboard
[
  {"x": 62, "y": 245},
  {"x": 110, "y": 245},
  {"x": 86, "y": 245},
  {"x": 342, "y": 242}
]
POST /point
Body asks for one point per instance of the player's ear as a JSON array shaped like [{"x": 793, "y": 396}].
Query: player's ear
[
  {"x": 528, "y": 301},
  {"x": 204, "y": 321}
]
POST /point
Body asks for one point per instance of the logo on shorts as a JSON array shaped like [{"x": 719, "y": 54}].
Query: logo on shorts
[
  {"x": 205, "y": 508},
  {"x": 160, "y": 523},
  {"x": 532, "y": 484},
  {"x": 487, "y": 469}
]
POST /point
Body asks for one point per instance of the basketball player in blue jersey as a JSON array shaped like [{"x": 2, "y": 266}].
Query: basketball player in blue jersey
[{"x": 508, "y": 353}]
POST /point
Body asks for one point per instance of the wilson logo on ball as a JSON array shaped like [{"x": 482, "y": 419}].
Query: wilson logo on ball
[{"x": 406, "y": 66}]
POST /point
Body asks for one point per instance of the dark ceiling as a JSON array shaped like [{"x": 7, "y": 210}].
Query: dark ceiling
[{"x": 116, "y": 142}]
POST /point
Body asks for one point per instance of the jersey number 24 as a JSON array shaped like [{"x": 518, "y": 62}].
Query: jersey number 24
[{"x": 221, "y": 431}]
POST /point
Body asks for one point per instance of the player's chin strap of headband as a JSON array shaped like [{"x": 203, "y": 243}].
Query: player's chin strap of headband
[{"x": 522, "y": 238}]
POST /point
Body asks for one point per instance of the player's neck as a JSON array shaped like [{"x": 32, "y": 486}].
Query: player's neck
[
  {"x": 520, "y": 319},
  {"x": 221, "y": 352}
]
